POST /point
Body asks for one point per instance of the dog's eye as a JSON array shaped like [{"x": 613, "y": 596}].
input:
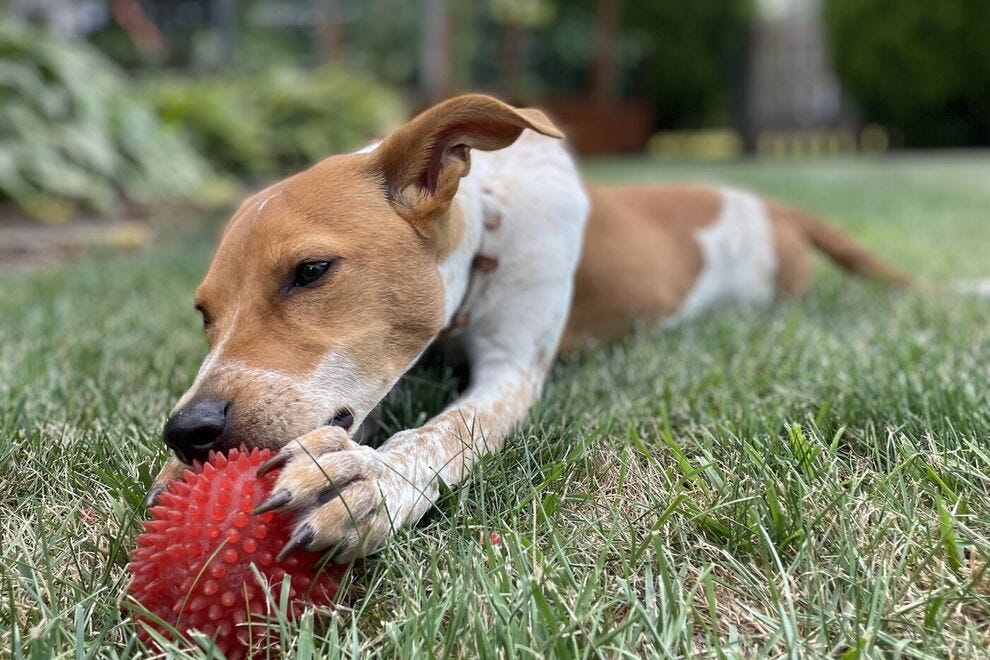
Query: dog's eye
[
  {"x": 310, "y": 272},
  {"x": 207, "y": 320}
]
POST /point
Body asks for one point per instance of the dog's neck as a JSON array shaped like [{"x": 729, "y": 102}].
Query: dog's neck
[
  {"x": 466, "y": 219},
  {"x": 467, "y": 224}
]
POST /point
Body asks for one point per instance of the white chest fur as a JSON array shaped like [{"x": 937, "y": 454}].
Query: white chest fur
[{"x": 535, "y": 189}]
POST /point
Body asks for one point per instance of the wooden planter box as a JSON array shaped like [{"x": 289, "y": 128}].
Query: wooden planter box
[{"x": 602, "y": 128}]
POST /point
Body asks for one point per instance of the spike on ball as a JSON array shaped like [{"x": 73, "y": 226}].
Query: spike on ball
[{"x": 192, "y": 565}]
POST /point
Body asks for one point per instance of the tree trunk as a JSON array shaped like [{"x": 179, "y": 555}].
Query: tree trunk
[
  {"x": 604, "y": 66},
  {"x": 434, "y": 52},
  {"x": 330, "y": 28}
]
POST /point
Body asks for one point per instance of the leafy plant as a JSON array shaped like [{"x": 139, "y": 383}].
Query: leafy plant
[
  {"x": 73, "y": 135},
  {"x": 277, "y": 121},
  {"x": 922, "y": 68}
]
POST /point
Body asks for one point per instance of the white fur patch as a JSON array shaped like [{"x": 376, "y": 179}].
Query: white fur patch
[
  {"x": 261, "y": 206},
  {"x": 369, "y": 148},
  {"x": 337, "y": 383},
  {"x": 210, "y": 362},
  {"x": 739, "y": 263},
  {"x": 518, "y": 311},
  {"x": 333, "y": 384}
]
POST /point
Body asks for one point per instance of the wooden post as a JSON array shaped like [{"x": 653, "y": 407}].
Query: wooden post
[
  {"x": 604, "y": 66},
  {"x": 434, "y": 51},
  {"x": 225, "y": 21},
  {"x": 330, "y": 28}
]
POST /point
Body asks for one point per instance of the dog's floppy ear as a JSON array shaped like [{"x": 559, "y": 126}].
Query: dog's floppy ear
[{"x": 422, "y": 162}]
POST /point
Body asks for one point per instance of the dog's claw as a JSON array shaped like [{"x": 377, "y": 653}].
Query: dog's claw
[
  {"x": 302, "y": 538},
  {"x": 330, "y": 554},
  {"x": 273, "y": 463},
  {"x": 152, "y": 497},
  {"x": 277, "y": 499}
]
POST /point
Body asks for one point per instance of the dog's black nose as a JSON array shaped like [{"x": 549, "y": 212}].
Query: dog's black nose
[{"x": 195, "y": 429}]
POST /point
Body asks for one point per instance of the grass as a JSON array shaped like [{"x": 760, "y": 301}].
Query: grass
[{"x": 813, "y": 479}]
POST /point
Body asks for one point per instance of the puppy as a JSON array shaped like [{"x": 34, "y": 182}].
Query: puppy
[{"x": 471, "y": 219}]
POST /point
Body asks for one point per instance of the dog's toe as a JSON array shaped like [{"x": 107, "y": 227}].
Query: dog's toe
[{"x": 336, "y": 489}]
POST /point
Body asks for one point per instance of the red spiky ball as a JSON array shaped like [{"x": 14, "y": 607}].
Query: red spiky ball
[{"x": 191, "y": 567}]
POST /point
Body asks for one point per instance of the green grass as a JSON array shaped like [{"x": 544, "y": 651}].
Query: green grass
[{"x": 811, "y": 479}]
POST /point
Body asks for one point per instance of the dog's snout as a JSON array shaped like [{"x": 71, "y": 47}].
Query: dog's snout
[{"x": 196, "y": 429}]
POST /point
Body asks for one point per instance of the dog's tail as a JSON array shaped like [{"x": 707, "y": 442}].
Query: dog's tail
[
  {"x": 855, "y": 258},
  {"x": 846, "y": 252}
]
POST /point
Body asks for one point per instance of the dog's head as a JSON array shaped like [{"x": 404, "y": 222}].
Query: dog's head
[{"x": 326, "y": 287}]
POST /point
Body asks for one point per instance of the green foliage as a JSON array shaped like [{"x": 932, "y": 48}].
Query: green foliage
[
  {"x": 691, "y": 49},
  {"x": 923, "y": 68},
  {"x": 275, "y": 122},
  {"x": 72, "y": 134},
  {"x": 679, "y": 55}
]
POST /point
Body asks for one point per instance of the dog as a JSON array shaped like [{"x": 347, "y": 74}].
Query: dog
[{"x": 469, "y": 223}]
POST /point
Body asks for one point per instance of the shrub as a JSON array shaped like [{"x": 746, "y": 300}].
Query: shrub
[
  {"x": 922, "y": 68},
  {"x": 275, "y": 122},
  {"x": 679, "y": 55},
  {"x": 73, "y": 135},
  {"x": 693, "y": 51}
]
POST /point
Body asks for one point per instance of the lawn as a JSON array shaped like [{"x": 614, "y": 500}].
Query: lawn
[{"x": 811, "y": 479}]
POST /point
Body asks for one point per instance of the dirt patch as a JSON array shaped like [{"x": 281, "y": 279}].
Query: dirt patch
[{"x": 25, "y": 244}]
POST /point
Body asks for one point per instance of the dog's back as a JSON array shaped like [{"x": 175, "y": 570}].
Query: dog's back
[{"x": 665, "y": 253}]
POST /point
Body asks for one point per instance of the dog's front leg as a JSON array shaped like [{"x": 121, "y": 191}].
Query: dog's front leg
[{"x": 350, "y": 497}]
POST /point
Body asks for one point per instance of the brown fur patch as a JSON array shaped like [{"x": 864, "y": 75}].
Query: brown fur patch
[
  {"x": 383, "y": 289},
  {"x": 639, "y": 259}
]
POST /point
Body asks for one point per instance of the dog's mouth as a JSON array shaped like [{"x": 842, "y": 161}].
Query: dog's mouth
[{"x": 343, "y": 418}]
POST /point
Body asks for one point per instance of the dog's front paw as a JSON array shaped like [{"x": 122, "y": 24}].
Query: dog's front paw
[{"x": 338, "y": 490}]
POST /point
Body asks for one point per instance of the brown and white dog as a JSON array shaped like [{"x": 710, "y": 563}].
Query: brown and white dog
[{"x": 328, "y": 286}]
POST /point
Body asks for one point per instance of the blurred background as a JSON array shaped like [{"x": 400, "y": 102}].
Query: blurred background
[{"x": 112, "y": 111}]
